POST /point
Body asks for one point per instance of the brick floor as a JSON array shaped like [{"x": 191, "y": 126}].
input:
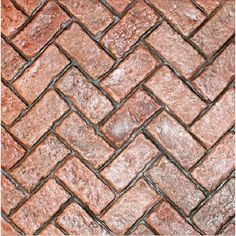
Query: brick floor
[{"x": 117, "y": 117}]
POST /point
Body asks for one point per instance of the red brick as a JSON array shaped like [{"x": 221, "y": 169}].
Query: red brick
[
  {"x": 175, "y": 185},
  {"x": 86, "y": 97},
  {"x": 216, "y": 31},
  {"x": 217, "y": 75},
  {"x": 51, "y": 230},
  {"x": 39, "y": 31},
  {"x": 219, "y": 163},
  {"x": 40, "y": 118},
  {"x": 40, "y": 207},
  {"x": 92, "y": 14},
  {"x": 49, "y": 64},
  {"x": 142, "y": 230},
  {"x": 173, "y": 48},
  {"x": 120, "y": 5},
  {"x": 136, "y": 67},
  {"x": 131, "y": 115},
  {"x": 29, "y": 5},
  {"x": 84, "y": 183},
  {"x": 130, "y": 28},
  {"x": 209, "y": 5},
  {"x": 7, "y": 229},
  {"x": 11, "y": 107},
  {"x": 217, "y": 210},
  {"x": 175, "y": 94},
  {"x": 167, "y": 221},
  {"x": 83, "y": 139},
  {"x": 130, "y": 162},
  {"x": 229, "y": 230},
  {"x": 85, "y": 51},
  {"x": 40, "y": 162},
  {"x": 130, "y": 207},
  {"x": 210, "y": 127},
  {"x": 182, "y": 14}
]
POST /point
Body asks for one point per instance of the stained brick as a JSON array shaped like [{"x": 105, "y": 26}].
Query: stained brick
[
  {"x": 40, "y": 162},
  {"x": 177, "y": 96},
  {"x": 229, "y": 230},
  {"x": 175, "y": 185},
  {"x": 39, "y": 31},
  {"x": 40, "y": 207},
  {"x": 130, "y": 162},
  {"x": 209, "y": 5},
  {"x": 7, "y": 229},
  {"x": 131, "y": 115},
  {"x": 83, "y": 139},
  {"x": 142, "y": 230},
  {"x": 130, "y": 28},
  {"x": 217, "y": 210},
  {"x": 40, "y": 118},
  {"x": 119, "y": 6},
  {"x": 49, "y": 64},
  {"x": 210, "y": 127},
  {"x": 84, "y": 183},
  {"x": 85, "y": 51},
  {"x": 136, "y": 67},
  {"x": 29, "y": 5},
  {"x": 51, "y": 230},
  {"x": 87, "y": 98}
]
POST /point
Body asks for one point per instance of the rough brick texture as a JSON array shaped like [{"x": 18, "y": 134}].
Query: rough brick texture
[
  {"x": 229, "y": 230},
  {"x": 142, "y": 230},
  {"x": 208, "y": 5},
  {"x": 7, "y": 229},
  {"x": 120, "y": 5},
  {"x": 51, "y": 230},
  {"x": 29, "y": 5}
]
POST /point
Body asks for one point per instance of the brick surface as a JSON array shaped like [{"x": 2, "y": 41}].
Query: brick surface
[
  {"x": 119, "y": 6},
  {"x": 7, "y": 229},
  {"x": 229, "y": 230},
  {"x": 142, "y": 230},
  {"x": 208, "y": 5},
  {"x": 51, "y": 230},
  {"x": 29, "y": 5}
]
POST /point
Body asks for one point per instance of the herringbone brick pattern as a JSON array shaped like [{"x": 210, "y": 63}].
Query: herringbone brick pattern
[{"x": 117, "y": 117}]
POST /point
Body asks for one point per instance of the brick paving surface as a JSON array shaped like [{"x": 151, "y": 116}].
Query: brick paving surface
[{"x": 117, "y": 117}]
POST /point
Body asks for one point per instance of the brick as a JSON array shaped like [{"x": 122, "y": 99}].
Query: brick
[
  {"x": 130, "y": 28},
  {"x": 136, "y": 67},
  {"x": 130, "y": 162},
  {"x": 180, "y": 54},
  {"x": 119, "y": 6},
  {"x": 142, "y": 230},
  {"x": 208, "y": 5},
  {"x": 75, "y": 220},
  {"x": 85, "y": 51},
  {"x": 217, "y": 75},
  {"x": 229, "y": 230},
  {"x": 92, "y": 14},
  {"x": 10, "y": 195},
  {"x": 131, "y": 115},
  {"x": 40, "y": 207},
  {"x": 220, "y": 163},
  {"x": 40, "y": 162},
  {"x": 210, "y": 126},
  {"x": 11, "y": 151},
  {"x": 175, "y": 94},
  {"x": 176, "y": 140},
  {"x": 84, "y": 183},
  {"x": 182, "y": 14},
  {"x": 11, "y": 61},
  {"x": 217, "y": 211},
  {"x": 167, "y": 221},
  {"x": 51, "y": 230},
  {"x": 42, "y": 71},
  {"x": 175, "y": 185},
  {"x": 40, "y": 118},
  {"x": 39, "y": 31},
  {"x": 29, "y": 5},
  {"x": 216, "y": 31},
  {"x": 83, "y": 139},
  {"x": 11, "y": 107},
  {"x": 7, "y": 229},
  {"x": 130, "y": 207},
  {"x": 86, "y": 97}
]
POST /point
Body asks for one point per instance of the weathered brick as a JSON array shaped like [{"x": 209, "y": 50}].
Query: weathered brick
[
  {"x": 209, "y": 5},
  {"x": 7, "y": 229},
  {"x": 130, "y": 207},
  {"x": 49, "y": 64},
  {"x": 130, "y": 28},
  {"x": 40, "y": 207},
  {"x": 210, "y": 127},
  {"x": 217, "y": 75},
  {"x": 84, "y": 183},
  {"x": 175, "y": 185},
  {"x": 39, "y": 31},
  {"x": 51, "y": 230},
  {"x": 85, "y": 51},
  {"x": 173, "y": 48},
  {"x": 130, "y": 162},
  {"x": 29, "y": 5},
  {"x": 216, "y": 31},
  {"x": 40, "y": 118},
  {"x": 175, "y": 94},
  {"x": 136, "y": 67},
  {"x": 142, "y": 230},
  {"x": 229, "y": 230},
  {"x": 40, "y": 162},
  {"x": 217, "y": 210},
  {"x": 167, "y": 221},
  {"x": 219, "y": 163},
  {"x": 83, "y": 139},
  {"x": 131, "y": 115},
  {"x": 120, "y": 5},
  {"x": 87, "y": 98}
]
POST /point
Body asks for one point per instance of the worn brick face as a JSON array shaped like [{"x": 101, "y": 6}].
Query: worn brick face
[
  {"x": 120, "y": 5},
  {"x": 29, "y": 5},
  {"x": 7, "y": 229},
  {"x": 142, "y": 230},
  {"x": 209, "y": 5},
  {"x": 229, "y": 230},
  {"x": 51, "y": 230}
]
